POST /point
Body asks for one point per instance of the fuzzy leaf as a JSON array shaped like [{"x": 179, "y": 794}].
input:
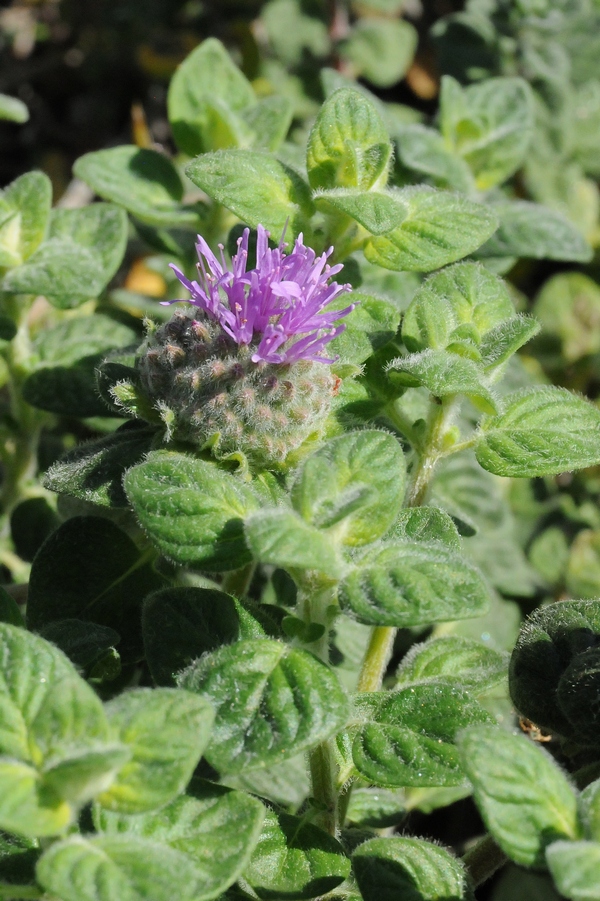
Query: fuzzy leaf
[
  {"x": 522, "y": 795},
  {"x": 550, "y": 642},
  {"x": 380, "y": 50},
  {"x": 192, "y": 510},
  {"x": 376, "y": 211},
  {"x": 215, "y": 827},
  {"x": 295, "y": 860},
  {"x": 256, "y": 187},
  {"x": 574, "y": 867},
  {"x": 439, "y": 228},
  {"x": 445, "y": 374},
  {"x": 411, "y": 584},
  {"x": 532, "y": 230},
  {"x": 455, "y": 660},
  {"x": 282, "y": 538},
  {"x": 542, "y": 431},
  {"x": 424, "y": 150},
  {"x": 94, "y": 471},
  {"x": 270, "y": 121},
  {"x": 270, "y": 701},
  {"x": 353, "y": 486},
  {"x": 462, "y": 302},
  {"x": 387, "y": 869},
  {"x": 425, "y": 524},
  {"x": 167, "y": 730},
  {"x": 408, "y": 739},
  {"x": 348, "y": 146},
  {"x": 490, "y": 125},
  {"x": 143, "y": 181},
  {"x": 116, "y": 866},
  {"x": 24, "y": 215},
  {"x": 83, "y": 251},
  {"x": 206, "y": 78}
]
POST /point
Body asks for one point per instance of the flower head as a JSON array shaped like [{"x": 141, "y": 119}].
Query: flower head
[{"x": 280, "y": 305}]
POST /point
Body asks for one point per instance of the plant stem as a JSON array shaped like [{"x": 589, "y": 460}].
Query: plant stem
[
  {"x": 314, "y": 604},
  {"x": 376, "y": 658},
  {"x": 483, "y": 859},
  {"x": 323, "y": 772},
  {"x": 440, "y": 414}
]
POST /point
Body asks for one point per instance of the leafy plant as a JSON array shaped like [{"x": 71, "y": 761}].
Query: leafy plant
[{"x": 270, "y": 612}]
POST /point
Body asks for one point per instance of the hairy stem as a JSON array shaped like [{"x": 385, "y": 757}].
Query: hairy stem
[
  {"x": 483, "y": 859},
  {"x": 376, "y": 658},
  {"x": 314, "y": 605}
]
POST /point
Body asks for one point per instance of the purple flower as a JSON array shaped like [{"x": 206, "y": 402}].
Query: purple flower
[{"x": 280, "y": 304}]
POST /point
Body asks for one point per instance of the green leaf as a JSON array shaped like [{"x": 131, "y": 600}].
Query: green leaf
[
  {"x": 270, "y": 121},
  {"x": 167, "y": 730},
  {"x": 143, "y": 181},
  {"x": 208, "y": 76},
  {"x": 439, "y": 228},
  {"x": 352, "y": 486},
  {"x": 54, "y": 728},
  {"x": 10, "y": 611},
  {"x": 85, "y": 644},
  {"x": 589, "y": 802},
  {"x": 387, "y": 869},
  {"x": 256, "y": 187},
  {"x": 94, "y": 471},
  {"x": 25, "y": 807},
  {"x": 24, "y": 214},
  {"x": 542, "y": 431},
  {"x": 568, "y": 306},
  {"x": 425, "y": 524},
  {"x": 408, "y": 739},
  {"x": 460, "y": 304},
  {"x": 8, "y": 329},
  {"x": 31, "y": 521},
  {"x": 282, "y": 538},
  {"x": 216, "y": 828},
  {"x": 192, "y": 510},
  {"x": 531, "y": 230},
  {"x": 501, "y": 342},
  {"x": 116, "y": 866},
  {"x": 348, "y": 146},
  {"x": 181, "y": 624},
  {"x": 469, "y": 494},
  {"x": 376, "y": 211},
  {"x": 413, "y": 584},
  {"x": 582, "y": 574},
  {"x": 458, "y": 661},
  {"x": 380, "y": 50},
  {"x": 83, "y": 251},
  {"x": 13, "y": 109},
  {"x": 295, "y": 860},
  {"x": 424, "y": 150},
  {"x": 490, "y": 125},
  {"x": 89, "y": 569},
  {"x": 574, "y": 867},
  {"x": 445, "y": 374},
  {"x": 376, "y": 807},
  {"x": 369, "y": 326},
  {"x": 270, "y": 701},
  {"x": 551, "y": 640},
  {"x": 63, "y": 380},
  {"x": 522, "y": 795}
]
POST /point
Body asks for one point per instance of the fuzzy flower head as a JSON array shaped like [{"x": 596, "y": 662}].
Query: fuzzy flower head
[{"x": 280, "y": 305}]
